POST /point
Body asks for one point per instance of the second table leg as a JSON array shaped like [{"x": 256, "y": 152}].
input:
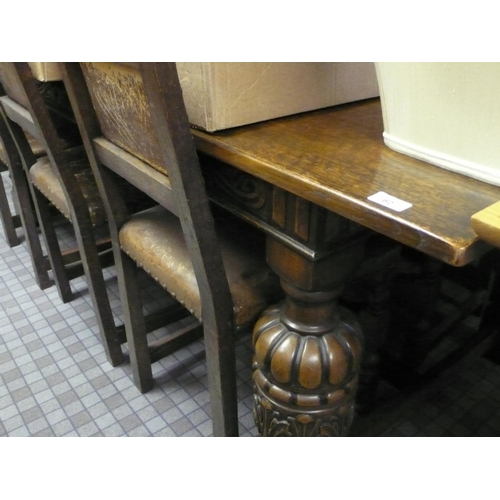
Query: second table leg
[{"x": 308, "y": 349}]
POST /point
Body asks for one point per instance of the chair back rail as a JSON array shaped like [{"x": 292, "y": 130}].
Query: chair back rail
[
  {"x": 21, "y": 116},
  {"x": 153, "y": 183},
  {"x": 9, "y": 157}
]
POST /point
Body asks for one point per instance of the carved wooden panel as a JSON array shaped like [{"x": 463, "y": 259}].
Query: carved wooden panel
[
  {"x": 282, "y": 212},
  {"x": 119, "y": 99},
  {"x": 305, "y": 385}
]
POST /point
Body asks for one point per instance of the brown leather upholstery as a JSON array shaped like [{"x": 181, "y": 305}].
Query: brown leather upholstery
[
  {"x": 3, "y": 159},
  {"x": 44, "y": 177},
  {"x": 154, "y": 239},
  {"x": 36, "y": 147}
]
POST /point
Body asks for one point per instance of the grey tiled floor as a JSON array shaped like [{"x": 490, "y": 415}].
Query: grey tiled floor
[
  {"x": 55, "y": 380},
  {"x": 463, "y": 401}
]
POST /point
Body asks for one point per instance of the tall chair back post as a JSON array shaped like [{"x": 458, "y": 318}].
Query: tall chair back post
[
  {"x": 179, "y": 154},
  {"x": 10, "y": 221},
  {"x": 23, "y": 199},
  {"x": 182, "y": 192},
  {"x": 42, "y": 209}
]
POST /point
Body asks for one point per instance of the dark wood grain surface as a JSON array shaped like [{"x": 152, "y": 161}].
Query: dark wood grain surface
[{"x": 336, "y": 158}]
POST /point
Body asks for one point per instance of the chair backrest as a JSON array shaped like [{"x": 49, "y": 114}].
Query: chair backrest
[
  {"x": 18, "y": 104},
  {"x": 28, "y": 113},
  {"x": 133, "y": 121}
]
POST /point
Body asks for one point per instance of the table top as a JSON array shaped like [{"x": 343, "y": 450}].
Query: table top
[{"x": 336, "y": 158}]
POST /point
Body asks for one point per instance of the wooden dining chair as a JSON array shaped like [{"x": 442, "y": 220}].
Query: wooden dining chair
[
  {"x": 62, "y": 179},
  {"x": 134, "y": 123},
  {"x": 21, "y": 126},
  {"x": 24, "y": 214}
]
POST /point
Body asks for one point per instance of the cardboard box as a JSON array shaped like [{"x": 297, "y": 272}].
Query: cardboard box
[
  {"x": 444, "y": 113},
  {"x": 225, "y": 95}
]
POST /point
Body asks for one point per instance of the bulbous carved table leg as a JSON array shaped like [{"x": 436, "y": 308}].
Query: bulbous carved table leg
[{"x": 307, "y": 349}]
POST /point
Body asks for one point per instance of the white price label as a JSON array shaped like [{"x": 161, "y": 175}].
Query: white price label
[{"x": 389, "y": 201}]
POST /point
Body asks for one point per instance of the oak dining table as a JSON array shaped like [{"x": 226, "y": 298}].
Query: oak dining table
[{"x": 319, "y": 184}]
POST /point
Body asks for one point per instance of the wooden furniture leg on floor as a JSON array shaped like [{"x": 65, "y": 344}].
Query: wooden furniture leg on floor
[
  {"x": 369, "y": 296},
  {"x": 308, "y": 349},
  {"x": 486, "y": 224},
  {"x": 27, "y": 214},
  {"x": 425, "y": 290},
  {"x": 9, "y": 220},
  {"x": 491, "y": 317}
]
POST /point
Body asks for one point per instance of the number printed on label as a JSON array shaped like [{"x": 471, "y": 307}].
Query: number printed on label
[{"x": 389, "y": 201}]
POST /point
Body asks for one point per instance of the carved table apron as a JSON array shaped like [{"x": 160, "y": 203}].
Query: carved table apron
[{"x": 305, "y": 180}]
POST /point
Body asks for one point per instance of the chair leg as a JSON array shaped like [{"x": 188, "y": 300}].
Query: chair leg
[
  {"x": 7, "y": 218},
  {"x": 97, "y": 288},
  {"x": 219, "y": 346},
  {"x": 221, "y": 369},
  {"x": 23, "y": 194},
  {"x": 135, "y": 326},
  {"x": 53, "y": 249}
]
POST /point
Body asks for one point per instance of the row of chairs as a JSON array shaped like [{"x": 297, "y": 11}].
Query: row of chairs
[{"x": 118, "y": 157}]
